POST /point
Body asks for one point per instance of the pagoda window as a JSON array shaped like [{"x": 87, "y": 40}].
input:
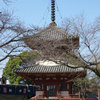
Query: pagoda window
[
  {"x": 64, "y": 86},
  {"x": 63, "y": 78},
  {"x": 47, "y": 78},
  {"x": 54, "y": 78},
  {"x": 38, "y": 78}
]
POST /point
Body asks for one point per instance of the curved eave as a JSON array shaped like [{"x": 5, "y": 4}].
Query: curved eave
[
  {"x": 69, "y": 75},
  {"x": 40, "y": 70},
  {"x": 36, "y": 68},
  {"x": 50, "y": 34}
]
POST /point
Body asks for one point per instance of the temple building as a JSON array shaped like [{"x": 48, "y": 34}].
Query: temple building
[{"x": 52, "y": 72}]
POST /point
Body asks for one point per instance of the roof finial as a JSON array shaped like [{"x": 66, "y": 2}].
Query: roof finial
[{"x": 53, "y": 13}]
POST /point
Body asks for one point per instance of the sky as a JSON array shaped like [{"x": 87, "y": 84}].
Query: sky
[{"x": 37, "y": 12}]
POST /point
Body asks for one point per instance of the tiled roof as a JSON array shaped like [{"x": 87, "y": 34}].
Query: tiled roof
[
  {"x": 36, "y": 68},
  {"x": 52, "y": 33},
  {"x": 52, "y": 41}
]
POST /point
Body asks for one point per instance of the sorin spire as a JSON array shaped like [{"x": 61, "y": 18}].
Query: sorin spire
[{"x": 53, "y": 10}]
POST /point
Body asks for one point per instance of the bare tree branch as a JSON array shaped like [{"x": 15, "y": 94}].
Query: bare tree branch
[{"x": 89, "y": 51}]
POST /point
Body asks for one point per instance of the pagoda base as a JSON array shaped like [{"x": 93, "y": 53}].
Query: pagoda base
[{"x": 58, "y": 97}]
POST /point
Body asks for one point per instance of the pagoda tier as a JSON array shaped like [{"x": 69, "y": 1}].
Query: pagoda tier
[
  {"x": 51, "y": 78},
  {"x": 49, "y": 69},
  {"x": 52, "y": 41}
]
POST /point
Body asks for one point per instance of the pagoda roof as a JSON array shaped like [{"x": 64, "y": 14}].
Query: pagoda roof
[
  {"x": 52, "y": 39},
  {"x": 51, "y": 33},
  {"x": 37, "y": 68}
]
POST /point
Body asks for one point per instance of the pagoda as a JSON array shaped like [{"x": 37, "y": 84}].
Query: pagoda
[{"x": 51, "y": 73}]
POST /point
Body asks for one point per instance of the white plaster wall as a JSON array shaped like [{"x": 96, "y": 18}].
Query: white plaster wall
[
  {"x": 64, "y": 93},
  {"x": 39, "y": 93}
]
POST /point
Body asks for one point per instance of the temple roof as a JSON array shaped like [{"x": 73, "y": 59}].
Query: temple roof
[{"x": 49, "y": 68}]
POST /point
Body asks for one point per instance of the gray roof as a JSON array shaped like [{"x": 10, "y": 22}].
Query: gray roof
[
  {"x": 36, "y": 68},
  {"x": 52, "y": 40},
  {"x": 52, "y": 33}
]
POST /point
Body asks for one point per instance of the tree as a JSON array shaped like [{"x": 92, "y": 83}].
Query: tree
[
  {"x": 11, "y": 32},
  {"x": 95, "y": 80},
  {"x": 6, "y": 1},
  {"x": 83, "y": 85},
  {"x": 15, "y": 62},
  {"x": 89, "y": 50}
]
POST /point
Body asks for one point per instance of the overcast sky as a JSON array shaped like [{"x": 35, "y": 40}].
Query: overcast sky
[{"x": 37, "y": 12}]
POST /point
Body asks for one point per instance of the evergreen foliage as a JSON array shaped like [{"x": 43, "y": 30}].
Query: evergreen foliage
[{"x": 15, "y": 62}]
